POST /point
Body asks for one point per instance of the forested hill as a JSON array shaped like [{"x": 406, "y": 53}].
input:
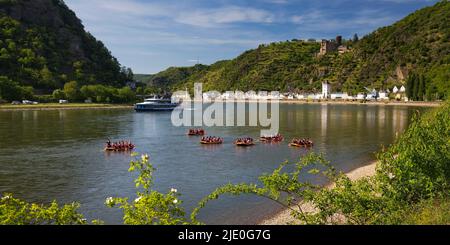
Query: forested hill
[
  {"x": 417, "y": 44},
  {"x": 44, "y": 45}
]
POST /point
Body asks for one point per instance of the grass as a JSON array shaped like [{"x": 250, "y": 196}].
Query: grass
[
  {"x": 61, "y": 106},
  {"x": 430, "y": 212}
]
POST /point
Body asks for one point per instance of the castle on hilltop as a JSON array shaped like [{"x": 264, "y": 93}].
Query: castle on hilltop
[{"x": 328, "y": 46}]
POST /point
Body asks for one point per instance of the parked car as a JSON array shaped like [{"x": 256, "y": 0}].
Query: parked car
[
  {"x": 63, "y": 101},
  {"x": 27, "y": 102},
  {"x": 16, "y": 103}
]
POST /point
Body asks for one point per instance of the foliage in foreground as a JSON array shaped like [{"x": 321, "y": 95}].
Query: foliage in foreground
[
  {"x": 413, "y": 170},
  {"x": 429, "y": 212},
  {"x": 150, "y": 207},
  {"x": 17, "y": 212}
]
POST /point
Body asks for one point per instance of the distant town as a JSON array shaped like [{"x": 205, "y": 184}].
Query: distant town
[{"x": 397, "y": 94}]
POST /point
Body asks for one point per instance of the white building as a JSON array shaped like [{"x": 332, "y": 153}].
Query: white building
[
  {"x": 182, "y": 96},
  {"x": 395, "y": 90},
  {"x": 229, "y": 95},
  {"x": 383, "y": 95},
  {"x": 370, "y": 97},
  {"x": 339, "y": 96},
  {"x": 326, "y": 90},
  {"x": 239, "y": 95},
  {"x": 210, "y": 96},
  {"x": 361, "y": 96},
  {"x": 300, "y": 96},
  {"x": 275, "y": 96},
  {"x": 352, "y": 98},
  {"x": 251, "y": 95}
]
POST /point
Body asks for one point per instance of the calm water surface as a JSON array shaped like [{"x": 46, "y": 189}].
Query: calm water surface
[{"x": 57, "y": 155}]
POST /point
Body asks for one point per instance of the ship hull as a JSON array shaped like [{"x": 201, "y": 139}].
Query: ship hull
[{"x": 155, "y": 107}]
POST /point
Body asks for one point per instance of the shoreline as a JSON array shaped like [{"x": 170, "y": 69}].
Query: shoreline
[
  {"x": 46, "y": 107},
  {"x": 391, "y": 103},
  {"x": 337, "y": 102},
  {"x": 284, "y": 217},
  {"x": 50, "y": 107}
]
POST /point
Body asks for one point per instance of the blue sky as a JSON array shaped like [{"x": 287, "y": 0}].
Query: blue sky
[{"x": 152, "y": 35}]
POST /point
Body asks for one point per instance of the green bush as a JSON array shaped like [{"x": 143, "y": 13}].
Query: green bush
[
  {"x": 45, "y": 98},
  {"x": 419, "y": 163},
  {"x": 428, "y": 212},
  {"x": 150, "y": 207},
  {"x": 17, "y": 212},
  {"x": 10, "y": 90}
]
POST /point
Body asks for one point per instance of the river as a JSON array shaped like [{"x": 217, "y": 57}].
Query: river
[{"x": 58, "y": 154}]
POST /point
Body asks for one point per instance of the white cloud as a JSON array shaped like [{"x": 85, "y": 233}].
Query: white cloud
[
  {"x": 277, "y": 1},
  {"x": 224, "y": 15}
]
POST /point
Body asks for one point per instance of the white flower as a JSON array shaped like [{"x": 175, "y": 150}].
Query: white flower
[
  {"x": 6, "y": 197},
  {"x": 173, "y": 190},
  {"x": 175, "y": 201},
  {"x": 137, "y": 199},
  {"x": 145, "y": 157},
  {"x": 109, "y": 200},
  {"x": 391, "y": 176}
]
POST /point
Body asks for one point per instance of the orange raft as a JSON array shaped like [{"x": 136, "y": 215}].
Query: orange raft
[
  {"x": 272, "y": 139},
  {"x": 211, "y": 141},
  {"x": 244, "y": 142},
  {"x": 118, "y": 150},
  {"x": 196, "y": 132},
  {"x": 119, "y": 146},
  {"x": 301, "y": 143}
]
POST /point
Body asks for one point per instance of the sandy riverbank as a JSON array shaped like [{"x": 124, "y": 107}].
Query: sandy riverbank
[
  {"x": 284, "y": 217},
  {"x": 45, "y": 107}
]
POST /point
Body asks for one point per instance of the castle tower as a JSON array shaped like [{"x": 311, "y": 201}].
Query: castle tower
[{"x": 339, "y": 40}]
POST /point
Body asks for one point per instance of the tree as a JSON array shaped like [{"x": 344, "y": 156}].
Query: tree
[
  {"x": 10, "y": 90},
  {"x": 355, "y": 38},
  {"x": 125, "y": 94},
  {"x": 421, "y": 88},
  {"x": 410, "y": 86},
  {"x": 27, "y": 92},
  {"x": 47, "y": 80},
  {"x": 140, "y": 91},
  {"x": 58, "y": 94},
  {"x": 71, "y": 91},
  {"x": 416, "y": 88}
]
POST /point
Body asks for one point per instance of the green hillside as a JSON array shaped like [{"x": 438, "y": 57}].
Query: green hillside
[
  {"x": 43, "y": 45},
  {"x": 417, "y": 44}
]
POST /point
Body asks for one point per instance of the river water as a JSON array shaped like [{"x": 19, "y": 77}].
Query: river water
[{"x": 58, "y": 154}]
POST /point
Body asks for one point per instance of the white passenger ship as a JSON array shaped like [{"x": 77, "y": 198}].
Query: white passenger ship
[{"x": 156, "y": 104}]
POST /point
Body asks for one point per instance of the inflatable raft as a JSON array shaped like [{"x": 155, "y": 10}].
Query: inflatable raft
[
  {"x": 244, "y": 144},
  {"x": 301, "y": 145},
  {"x": 211, "y": 143}
]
